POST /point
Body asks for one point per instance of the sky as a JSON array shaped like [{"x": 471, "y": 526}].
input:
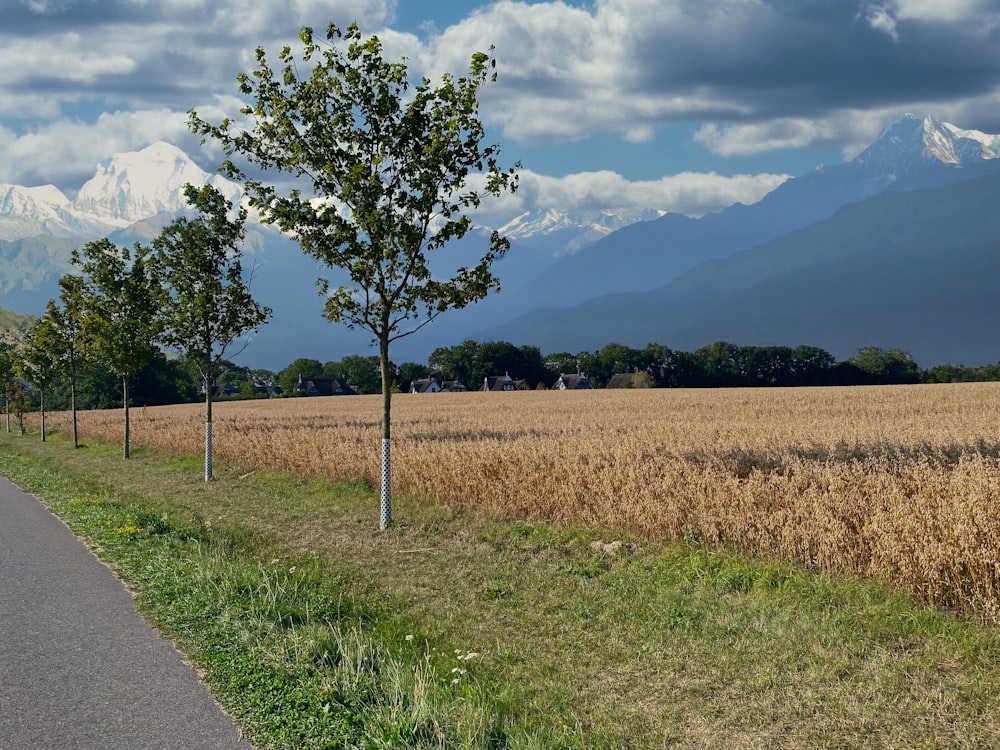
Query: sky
[{"x": 674, "y": 105}]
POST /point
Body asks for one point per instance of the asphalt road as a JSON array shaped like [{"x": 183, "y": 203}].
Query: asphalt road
[{"x": 79, "y": 669}]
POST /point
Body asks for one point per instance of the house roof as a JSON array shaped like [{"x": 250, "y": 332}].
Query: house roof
[
  {"x": 625, "y": 380},
  {"x": 504, "y": 383},
  {"x": 324, "y": 387},
  {"x": 425, "y": 385},
  {"x": 575, "y": 382}
]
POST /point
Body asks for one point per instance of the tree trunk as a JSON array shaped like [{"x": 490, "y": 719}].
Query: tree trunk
[
  {"x": 41, "y": 409},
  {"x": 385, "y": 515},
  {"x": 127, "y": 452},
  {"x": 72, "y": 401},
  {"x": 208, "y": 425}
]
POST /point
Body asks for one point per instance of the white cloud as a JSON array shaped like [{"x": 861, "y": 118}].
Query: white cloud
[
  {"x": 67, "y": 153},
  {"x": 762, "y": 75},
  {"x": 66, "y": 58},
  {"x": 879, "y": 17},
  {"x": 689, "y": 193},
  {"x": 754, "y": 66},
  {"x": 755, "y": 138},
  {"x": 942, "y": 10}
]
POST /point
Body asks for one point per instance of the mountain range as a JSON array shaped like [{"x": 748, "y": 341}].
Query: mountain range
[{"x": 893, "y": 248}]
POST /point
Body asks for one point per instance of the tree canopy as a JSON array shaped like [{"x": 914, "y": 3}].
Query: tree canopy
[
  {"x": 122, "y": 297},
  {"x": 389, "y": 171},
  {"x": 207, "y": 304}
]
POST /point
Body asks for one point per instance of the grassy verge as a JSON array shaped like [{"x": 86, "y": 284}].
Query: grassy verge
[{"x": 457, "y": 630}]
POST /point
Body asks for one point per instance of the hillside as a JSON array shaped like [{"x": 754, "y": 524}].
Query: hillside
[
  {"x": 911, "y": 270},
  {"x": 13, "y": 321}
]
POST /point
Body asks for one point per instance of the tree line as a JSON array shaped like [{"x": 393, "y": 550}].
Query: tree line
[
  {"x": 719, "y": 365},
  {"x": 185, "y": 292},
  {"x": 80, "y": 378},
  {"x": 376, "y": 170}
]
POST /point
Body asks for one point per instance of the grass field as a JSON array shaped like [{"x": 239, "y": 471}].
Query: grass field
[
  {"x": 900, "y": 484},
  {"x": 797, "y": 568}
]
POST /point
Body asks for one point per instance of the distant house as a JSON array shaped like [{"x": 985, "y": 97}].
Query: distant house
[
  {"x": 324, "y": 387},
  {"x": 222, "y": 390},
  {"x": 577, "y": 382},
  {"x": 425, "y": 385},
  {"x": 433, "y": 385},
  {"x": 504, "y": 383},
  {"x": 630, "y": 380}
]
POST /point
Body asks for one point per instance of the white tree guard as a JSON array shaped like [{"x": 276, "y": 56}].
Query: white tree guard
[
  {"x": 208, "y": 451},
  {"x": 386, "y": 509}
]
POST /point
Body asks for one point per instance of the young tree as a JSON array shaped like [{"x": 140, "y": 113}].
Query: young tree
[
  {"x": 60, "y": 331},
  {"x": 13, "y": 366},
  {"x": 6, "y": 373},
  {"x": 208, "y": 306},
  {"x": 121, "y": 321},
  {"x": 38, "y": 363},
  {"x": 389, "y": 173}
]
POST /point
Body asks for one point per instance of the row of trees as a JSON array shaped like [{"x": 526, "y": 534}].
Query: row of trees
[
  {"x": 719, "y": 365},
  {"x": 390, "y": 168},
  {"x": 185, "y": 292},
  {"x": 168, "y": 380}
]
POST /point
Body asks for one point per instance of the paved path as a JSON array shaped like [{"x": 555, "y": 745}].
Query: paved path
[{"x": 79, "y": 669}]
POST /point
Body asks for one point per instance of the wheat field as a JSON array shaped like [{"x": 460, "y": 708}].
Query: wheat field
[{"x": 900, "y": 483}]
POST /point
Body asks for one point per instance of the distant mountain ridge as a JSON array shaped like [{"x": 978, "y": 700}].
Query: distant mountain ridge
[
  {"x": 913, "y": 270},
  {"x": 561, "y": 290},
  {"x": 910, "y": 154},
  {"x": 566, "y": 233}
]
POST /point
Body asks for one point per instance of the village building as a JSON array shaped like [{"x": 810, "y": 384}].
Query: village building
[
  {"x": 504, "y": 383},
  {"x": 577, "y": 382},
  {"x": 324, "y": 387},
  {"x": 433, "y": 385},
  {"x": 630, "y": 380}
]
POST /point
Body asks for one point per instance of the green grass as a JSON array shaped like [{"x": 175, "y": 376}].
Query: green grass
[{"x": 316, "y": 630}]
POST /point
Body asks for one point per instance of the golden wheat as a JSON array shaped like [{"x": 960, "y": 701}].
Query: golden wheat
[{"x": 901, "y": 483}]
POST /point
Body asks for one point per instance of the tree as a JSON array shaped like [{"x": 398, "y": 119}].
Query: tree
[
  {"x": 207, "y": 305},
  {"x": 62, "y": 333},
  {"x": 6, "y": 373},
  {"x": 121, "y": 321},
  {"x": 611, "y": 360},
  {"x": 458, "y": 362},
  {"x": 12, "y": 366},
  {"x": 559, "y": 363},
  {"x": 885, "y": 367},
  {"x": 410, "y": 371},
  {"x": 812, "y": 366},
  {"x": 38, "y": 363},
  {"x": 388, "y": 170}
]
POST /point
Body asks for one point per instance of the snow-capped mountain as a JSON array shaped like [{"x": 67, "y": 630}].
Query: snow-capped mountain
[
  {"x": 127, "y": 189},
  {"x": 43, "y": 212},
  {"x": 566, "y": 233},
  {"x": 29, "y": 211},
  {"x": 557, "y": 260},
  {"x": 912, "y": 142},
  {"x": 910, "y": 154},
  {"x": 134, "y": 186}
]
